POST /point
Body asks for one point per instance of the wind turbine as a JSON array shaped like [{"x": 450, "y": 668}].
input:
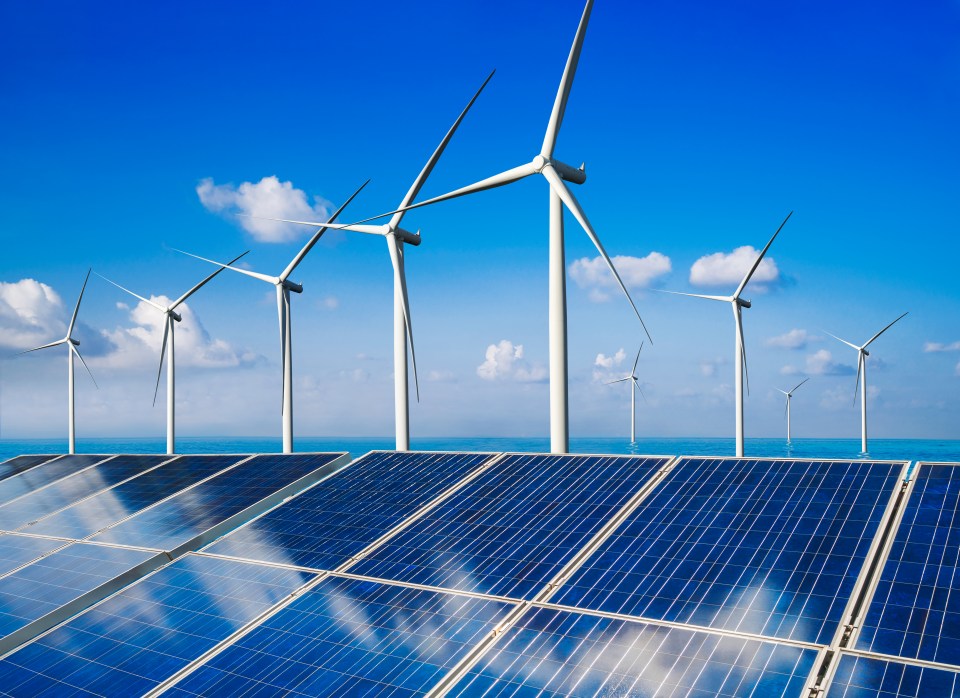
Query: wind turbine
[
  {"x": 72, "y": 345},
  {"x": 402, "y": 325},
  {"x": 790, "y": 395},
  {"x": 862, "y": 355},
  {"x": 170, "y": 316},
  {"x": 284, "y": 286},
  {"x": 740, "y": 357},
  {"x": 557, "y": 174},
  {"x": 634, "y": 389}
]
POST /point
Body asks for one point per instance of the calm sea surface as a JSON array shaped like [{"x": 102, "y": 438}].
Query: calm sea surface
[{"x": 885, "y": 449}]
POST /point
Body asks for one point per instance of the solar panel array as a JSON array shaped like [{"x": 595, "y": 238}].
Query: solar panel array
[{"x": 500, "y": 574}]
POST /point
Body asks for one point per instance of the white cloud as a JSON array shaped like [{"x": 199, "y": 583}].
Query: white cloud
[
  {"x": 709, "y": 367},
  {"x": 31, "y": 314},
  {"x": 636, "y": 272},
  {"x": 931, "y": 347},
  {"x": 505, "y": 361},
  {"x": 721, "y": 269},
  {"x": 329, "y": 302},
  {"x": 794, "y": 339},
  {"x": 441, "y": 376},
  {"x": 269, "y": 198},
  {"x": 605, "y": 361},
  {"x": 821, "y": 363}
]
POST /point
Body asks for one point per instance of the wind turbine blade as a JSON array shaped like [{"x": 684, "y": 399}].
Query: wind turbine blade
[
  {"x": 885, "y": 329},
  {"x": 45, "y": 346},
  {"x": 637, "y": 360},
  {"x": 73, "y": 320},
  {"x": 619, "y": 380},
  {"x": 756, "y": 264},
  {"x": 246, "y": 272},
  {"x": 316, "y": 236},
  {"x": 77, "y": 352},
  {"x": 856, "y": 388},
  {"x": 637, "y": 386},
  {"x": 852, "y": 346},
  {"x": 200, "y": 285},
  {"x": 725, "y": 299},
  {"x": 163, "y": 349},
  {"x": 799, "y": 384},
  {"x": 353, "y": 227},
  {"x": 571, "y": 203},
  {"x": 400, "y": 284},
  {"x": 127, "y": 290},
  {"x": 786, "y": 405},
  {"x": 566, "y": 82},
  {"x": 738, "y": 315},
  {"x": 431, "y": 163}
]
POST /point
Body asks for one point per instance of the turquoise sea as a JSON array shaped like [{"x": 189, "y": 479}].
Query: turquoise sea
[{"x": 885, "y": 449}]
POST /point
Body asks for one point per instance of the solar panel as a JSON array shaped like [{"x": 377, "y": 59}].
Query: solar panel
[
  {"x": 73, "y": 488},
  {"x": 20, "y": 464},
  {"x": 555, "y": 652},
  {"x": 180, "y": 520},
  {"x": 16, "y": 551},
  {"x": 44, "y": 474},
  {"x": 772, "y": 547},
  {"x": 915, "y": 611},
  {"x": 349, "y": 637},
  {"x": 335, "y": 519},
  {"x": 144, "y": 634},
  {"x": 862, "y": 677},
  {"x": 101, "y": 510},
  {"x": 509, "y": 531}
]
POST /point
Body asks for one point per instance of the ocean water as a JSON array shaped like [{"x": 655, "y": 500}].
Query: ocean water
[{"x": 883, "y": 449}]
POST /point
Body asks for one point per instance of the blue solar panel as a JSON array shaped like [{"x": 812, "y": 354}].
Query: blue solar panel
[
  {"x": 553, "y": 652},
  {"x": 769, "y": 546},
  {"x": 509, "y": 531},
  {"x": 138, "y": 638},
  {"x": 21, "y": 464},
  {"x": 16, "y": 551},
  {"x": 44, "y": 474},
  {"x": 73, "y": 488},
  {"x": 45, "y": 585},
  {"x": 915, "y": 611},
  {"x": 99, "y": 511},
  {"x": 859, "y": 677},
  {"x": 341, "y": 515},
  {"x": 350, "y": 638},
  {"x": 195, "y": 511}
]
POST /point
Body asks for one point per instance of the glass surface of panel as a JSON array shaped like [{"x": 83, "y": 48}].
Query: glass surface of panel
[
  {"x": 915, "y": 610},
  {"x": 19, "y": 550},
  {"x": 772, "y": 547},
  {"x": 52, "y": 581},
  {"x": 99, "y": 511},
  {"x": 348, "y": 637},
  {"x": 20, "y": 464},
  {"x": 72, "y": 488},
  {"x": 559, "y": 653},
  {"x": 138, "y": 638},
  {"x": 336, "y": 518},
  {"x": 44, "y": 474},
  {"x": 859, "y": 677},
  {"x": 200, "y": 508},
  {"x": 509, "y": 531}
]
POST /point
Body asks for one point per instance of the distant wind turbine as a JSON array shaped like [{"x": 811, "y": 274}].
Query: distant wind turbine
[
  {"x": 862, "y": 355},
  {"x": 284, "y": 286},
  {"x": 790, "y": 395},
  {"x": 72, "y": 345},
  {"x": 402, "y": 324},
  {"x": 170, "y": 316},
  {"x": 740, "y": 357},
  {"x": 634, "y": 389}
]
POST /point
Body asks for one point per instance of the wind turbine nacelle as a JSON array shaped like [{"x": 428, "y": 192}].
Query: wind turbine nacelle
[
  {"x": 74, "y": 342},
  {"x": 574, "y": 175},
  {"x": 743, "y": 304},
  {"x": 291, "y": 286},
  {"x": 865, "y": 352},
  {"x": 176, "y": 316},
  {"x": 407, "y": 237}
]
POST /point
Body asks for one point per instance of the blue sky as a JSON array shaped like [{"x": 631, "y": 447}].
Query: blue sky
[{"x": 701, "y": 125}]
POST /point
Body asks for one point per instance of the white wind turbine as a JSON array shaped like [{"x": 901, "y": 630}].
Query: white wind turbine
[
  {"x": 284, "y": 286},
  {"x": 789, "y": 396},
  {"x": 862, "y": 355},
  {"x": 402, "y": 323},
  {"x": 740, "y": 368},
  {"x": 556, "y": 173},
  {"x": 170, "y": 316},
  {"x": 634, "y": 389},
  {"x": 72, "y": 345}
]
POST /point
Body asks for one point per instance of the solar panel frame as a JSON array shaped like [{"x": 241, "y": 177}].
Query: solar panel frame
[{"x": 898, "y": 678}]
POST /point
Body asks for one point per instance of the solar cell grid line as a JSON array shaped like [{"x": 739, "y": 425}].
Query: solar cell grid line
[
  {"x": 205, "y": 511},
  {"x": 769, "y": 546},
  {"x": 914, "y": 611},
  {"x": 137, "y": 638},
  {"x": 337, "y": 518},
  {"x": 509, "y": 531},
  {"x": 861, "y": 676},
  {"x": 74, "y": 488},
  {"x": 46, "y": 473},
  {"x": 95, "y": 513},
  {"x": 19, "y": 464}
]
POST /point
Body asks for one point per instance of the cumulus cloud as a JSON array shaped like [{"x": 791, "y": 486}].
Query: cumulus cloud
[
  {"x": 794, "y": 339},
  {"x": 935, "y": 347},
  {"x": 269, "y": 198},
  {"x": 31, "y": 314},
  {"x": 505, "y": 361},
  {"x": 604, "y": 361},
  {"x": 821, "y": 363},
  {"x": 722, "y": 269},
  {"x": 636, "y": 272}
]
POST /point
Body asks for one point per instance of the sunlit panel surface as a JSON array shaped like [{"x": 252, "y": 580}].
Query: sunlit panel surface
[
  {"x": 44, "y": 474},
  {"x": 21, "y": 464},
  {"x": 858, "y": 677},
  {"x": 341, "y": 515},
  {"x": 16, "y": 551},
  {"x": 764, "y": 546}
]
